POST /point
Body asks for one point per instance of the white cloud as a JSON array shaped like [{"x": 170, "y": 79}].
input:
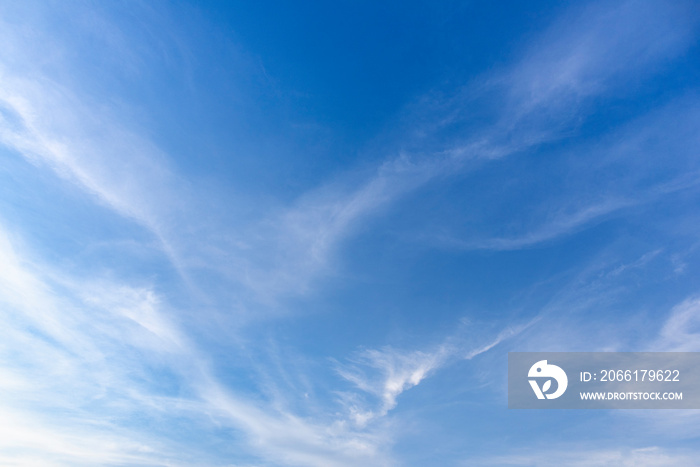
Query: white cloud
[
  {"x": 122, "y": 170},
  {"x": 29, "y": 440},
  {"x": 612, "y": 181},
  {"x": 68, "y": 368},
  {"x": 283, "y": 437},
  {"x": 397, "y": 372},
  {"x": 559, "y": 225},
  {"x": 78, "y": 354},
  {"x": 386, "y": 373},
  {"x": 594, "y": 48},
  {"x": 681, "y": 331},
  {"x": 86, "y": 347},
  {"x": 49, "y": 121},
  {"x": 586, "y": 54}
]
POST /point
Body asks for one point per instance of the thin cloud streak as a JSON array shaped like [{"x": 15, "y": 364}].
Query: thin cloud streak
[
  {"x": 600, "y": 197},
  {"x": 561, "y": 226},
  {"x": 386, "y": 373},
  {"x": 398, "y": 372},
  {"x": 47, "y": 123},
  {"x": 49, "y": 127},
  {"x": 559, "y": 78},
  {"x": 681, "y": 331},
  {"x": 116, "y": 333},
  {"x": 592, "y": 51},
  {"x": 113, "y": 333},
  {"x": 57, "y": 357}
]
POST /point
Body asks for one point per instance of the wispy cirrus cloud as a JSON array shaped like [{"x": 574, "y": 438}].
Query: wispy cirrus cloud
[
  {"x": 292, "y": 440},
  {"x": 60, "y": 354},
  {"x": 384, "y": 374},
  {"x": 396, "y": 372},
  {"x": 110, "y": 353},
  {"x": 52, "y": 126},
  {"x": 560, "y": 224},
  {"x": 592, "y": 51},
  {"x": 106, "y": 350},
  {"x": 610, "y": 182},
  {"x": 681, "y": 331},
  {"x": 48, "y": 122},
  {"x": 541, "y": 98}
]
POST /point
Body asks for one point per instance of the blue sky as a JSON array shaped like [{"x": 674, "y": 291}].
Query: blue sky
[{"x": 272, "y": 234}]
